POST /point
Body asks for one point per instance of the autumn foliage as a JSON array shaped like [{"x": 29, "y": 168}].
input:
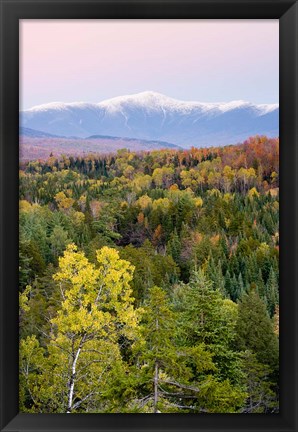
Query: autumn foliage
[{"x": 149, "y": 281}]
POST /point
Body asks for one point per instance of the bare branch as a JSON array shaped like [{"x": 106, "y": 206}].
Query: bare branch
[
  {"x": 77, "y": 404},
  {"x": 185, "y": 387}
]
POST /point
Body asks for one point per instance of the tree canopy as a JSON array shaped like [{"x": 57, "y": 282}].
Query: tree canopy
[{"x": 149, "y": 281}]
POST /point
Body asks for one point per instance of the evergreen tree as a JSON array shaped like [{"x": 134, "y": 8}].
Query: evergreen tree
[
  {"x": 228, "y": 284},
  {"x": 255, "y": 330},
  {"x": 174, "y": 246},
  {"x": 234, "y": 288},
  {"x": 261, "y": 396},
  {"x": 206, "y": 317},
  {"x": 174, "y": 378},
  {"x": 241, "y": 288},
  {"x": 260, "y": 285},
  {"x": 214, "y": 273},
  {"x": 272, "y": 294}
]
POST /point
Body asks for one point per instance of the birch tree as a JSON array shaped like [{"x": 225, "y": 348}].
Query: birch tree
[{"x": 96, "y": 311}]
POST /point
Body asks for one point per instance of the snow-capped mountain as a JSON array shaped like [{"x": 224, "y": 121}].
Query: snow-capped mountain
[{"x": 153, "y": 116}]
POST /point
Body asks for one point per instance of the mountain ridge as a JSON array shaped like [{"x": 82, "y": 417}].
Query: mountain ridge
[
  {"x": 147, "y": 97},
  {"x": 153, "y": 116}
]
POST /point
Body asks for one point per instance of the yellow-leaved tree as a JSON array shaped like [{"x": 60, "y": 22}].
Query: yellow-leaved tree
[{"x": 95, "y": 316}]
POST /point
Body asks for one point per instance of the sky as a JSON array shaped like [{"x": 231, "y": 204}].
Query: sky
[{"x": 198, "y": 60}]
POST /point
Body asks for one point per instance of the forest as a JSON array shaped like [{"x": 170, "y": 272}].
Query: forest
[{"x": 149, "y": 281}]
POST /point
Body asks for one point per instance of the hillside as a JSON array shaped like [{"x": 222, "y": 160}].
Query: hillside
[{"x": 39, "y": 145}]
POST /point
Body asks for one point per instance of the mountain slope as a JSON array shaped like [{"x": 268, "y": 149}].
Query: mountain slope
[
  {"x": 152, "y": 116},
  {"x": 38, "y": 145},
  {"x": 23, "y": 131}
]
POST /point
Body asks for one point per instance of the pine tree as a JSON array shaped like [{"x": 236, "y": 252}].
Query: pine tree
[
  {"x": 206, "y": 317},
  {"x": 234, "y": 288},
  {"x": 175, "y": 377},
  {"x": 255, "y": 330},
  {"x": 214, "y": 273},
  {"x": 260, "y": 285},
  {"x": 161, "y": 362},
  {"x": 272, "y": 294},
  {"x": 241, "y": 288},
  {"x": 228, "y": 284},
  {"x": 260, "y": 389},
  {"x": 174, "y": 246}
]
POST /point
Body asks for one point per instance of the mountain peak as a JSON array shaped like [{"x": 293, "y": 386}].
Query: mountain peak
[
  {"x": 153, "y": 116},
  {"x": 146, "y": 99},
  {"x": 157, "y": 101},
  {"x": 153, "y": 100}
]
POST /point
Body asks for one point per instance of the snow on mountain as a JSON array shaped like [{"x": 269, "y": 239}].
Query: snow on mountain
[{"x": 153, "y": 116}]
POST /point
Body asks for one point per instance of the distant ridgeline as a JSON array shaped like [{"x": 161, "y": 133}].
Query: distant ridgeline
[{"x": 39, "y": 145}]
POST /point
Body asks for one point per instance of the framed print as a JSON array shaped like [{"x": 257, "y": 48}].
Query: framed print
[{"x": 148, "y": 215}]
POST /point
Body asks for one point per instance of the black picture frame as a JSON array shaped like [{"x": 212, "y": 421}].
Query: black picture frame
[{"x": 14, "y": 10}]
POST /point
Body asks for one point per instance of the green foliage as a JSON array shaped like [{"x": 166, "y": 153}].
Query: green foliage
[
  {"x": 95, "y": 311},
  {"x": 206, "y": 317},
  {"x": 171, "y": 372},
  {"x": 150, "y": 269},
  {"x": 255, "y": 330},
  {"x": 260, "y": 389},
  {"x": 190, "y": 238}
]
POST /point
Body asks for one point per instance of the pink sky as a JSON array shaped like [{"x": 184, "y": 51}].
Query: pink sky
[{"x": 204, "y": 60}]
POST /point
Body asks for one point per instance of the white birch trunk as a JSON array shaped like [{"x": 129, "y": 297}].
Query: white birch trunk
[{"x": 72, "y": 381}]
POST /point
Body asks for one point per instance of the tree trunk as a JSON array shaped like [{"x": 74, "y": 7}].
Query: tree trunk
[
  {"x": 72, "y": 380},
  {"x": 156, "y": 376},
  {"x": 156, "y": 387}
]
